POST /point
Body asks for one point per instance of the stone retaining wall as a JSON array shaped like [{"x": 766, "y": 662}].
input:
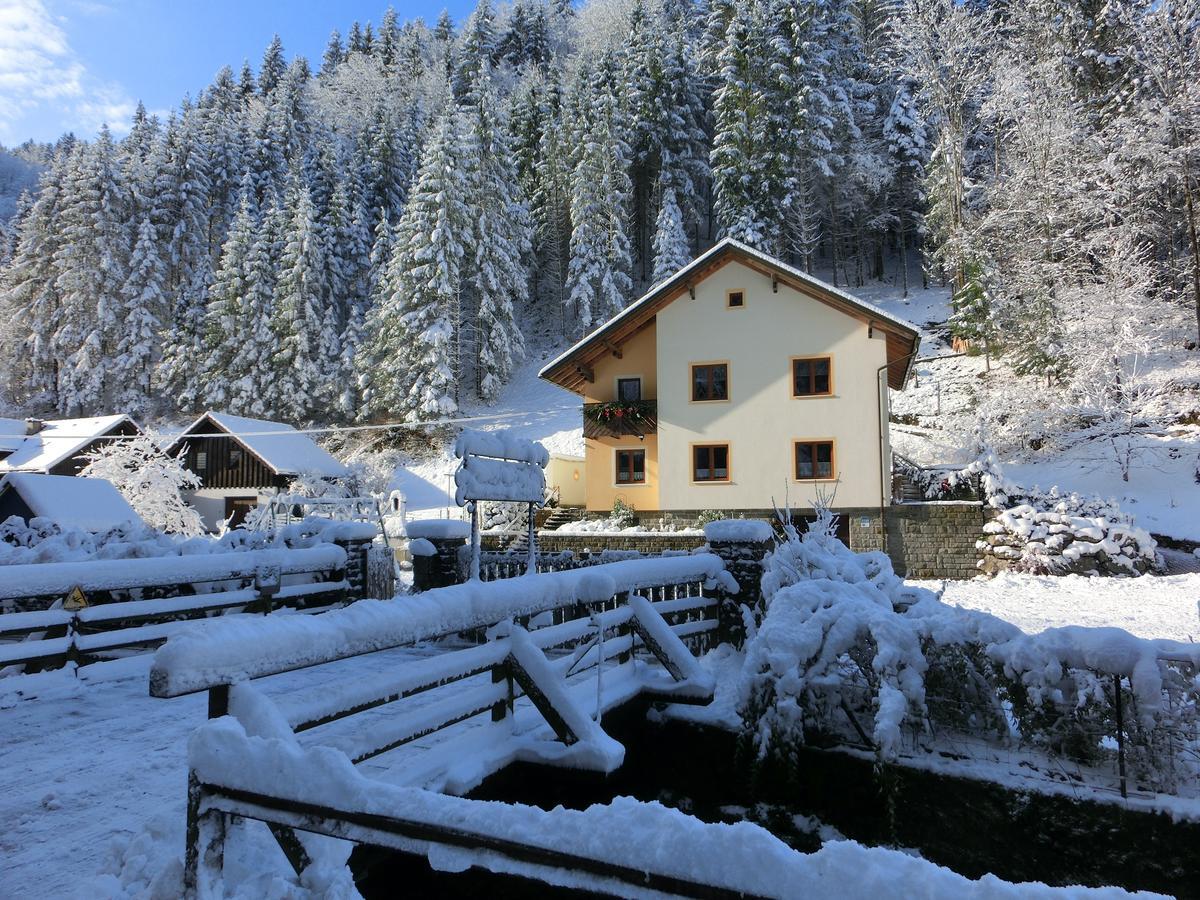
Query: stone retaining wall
[{"x": 924, "y": 540}]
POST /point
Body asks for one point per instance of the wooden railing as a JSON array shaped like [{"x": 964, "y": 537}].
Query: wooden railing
[
  {"x": 545, "y": 634},
  {"x": 619, "y": 418},
  {"x": 216, "y": 584}
]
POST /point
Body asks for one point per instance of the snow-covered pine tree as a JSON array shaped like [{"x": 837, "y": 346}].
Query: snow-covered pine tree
[
  {"x": 409, "y": 364},
  {"x": 143, "y": 308},
  {"x": 30, "y": 302},
  {"x": 306, "y": 357},
  {"x": 742, "y": 157},
  {"x": 89, "y": 272},
  {"x": 495, "y": 268},
  {"x": 252, "y": 389},
  {"x": 273, "y": 65},
  {"x": 672, "y": 249},
  {"x": 225, "y": 326},
  {"x": 477, "y": 52},
  {"x": 181, "y": 196},
  {"x": 598, "y": 275}
]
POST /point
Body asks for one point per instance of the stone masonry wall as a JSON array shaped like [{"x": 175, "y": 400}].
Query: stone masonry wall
[{"x": 925, "y": 540}]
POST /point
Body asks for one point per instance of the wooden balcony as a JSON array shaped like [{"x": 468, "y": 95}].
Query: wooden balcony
[{"x": 620, "y": 418}]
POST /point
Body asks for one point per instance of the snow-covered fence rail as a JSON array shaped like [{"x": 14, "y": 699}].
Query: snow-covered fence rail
[
  {"x": 547, "y": 633},
  {"x": 497, "y": 564},
  {"x": 263, "y": 579},
  {"x": 226, "y": 652}
]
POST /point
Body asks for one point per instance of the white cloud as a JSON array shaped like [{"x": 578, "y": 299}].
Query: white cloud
[{"x": 40, "y": 71}]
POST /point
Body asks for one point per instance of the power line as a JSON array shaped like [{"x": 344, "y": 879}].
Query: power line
[{"x": 329, "y": 429}]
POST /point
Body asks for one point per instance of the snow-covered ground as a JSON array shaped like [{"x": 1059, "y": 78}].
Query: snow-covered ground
[
  {"x": 1149, "y": 607},
  {"x": 88, "y": 763}
]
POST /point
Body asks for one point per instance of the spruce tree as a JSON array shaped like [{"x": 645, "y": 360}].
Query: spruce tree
[
  {"x": 142, "y": 310},
  {"x": 410, "y": 364},
  {"x": 672, "y": 249}
]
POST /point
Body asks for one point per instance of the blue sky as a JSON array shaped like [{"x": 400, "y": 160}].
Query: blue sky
[{"x": 71, "y": 65}]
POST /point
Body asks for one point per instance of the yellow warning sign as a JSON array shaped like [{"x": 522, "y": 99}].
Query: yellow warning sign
[{"x": 75, "y": 599}]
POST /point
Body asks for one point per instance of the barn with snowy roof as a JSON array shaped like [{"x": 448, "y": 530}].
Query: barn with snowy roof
[
  {"x": 91, "y": 504},
  {"x": 242, "y": 462},
  {"x": 57, "y": 446}
]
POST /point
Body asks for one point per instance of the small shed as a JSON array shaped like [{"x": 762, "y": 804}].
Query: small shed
[
  {"x": 91, "y": 504},
  {"x": 57, "y": 446},
  {"x": 242, "y": 462}
]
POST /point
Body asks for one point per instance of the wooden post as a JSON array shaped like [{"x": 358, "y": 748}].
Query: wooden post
[
  {"x": 1120, "y": 712},
  {"x": 531, "y": 568},
  {"x": 218, "y": 701},
  {"x": 204, "y": 852},
  {"x": 474, "y": 573}
]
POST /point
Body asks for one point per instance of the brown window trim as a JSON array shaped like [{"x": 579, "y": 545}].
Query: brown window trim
[
  {"x": 692, "y": 367},
  {"x": 710, "y": 447},
  {"x": 814, "y": 443},
  {"x": 617, "y": 467},
  {"x": 811, "y": 376},
  {"x": 729, "y": 304}
]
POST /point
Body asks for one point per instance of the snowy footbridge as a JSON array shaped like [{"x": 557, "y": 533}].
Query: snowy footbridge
[{"x": 560, "y": 649}]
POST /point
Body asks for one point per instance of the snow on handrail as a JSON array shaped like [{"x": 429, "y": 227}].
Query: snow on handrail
[
  {"x": 225, "y": 652},
  {"x": 50, "y": 579}
]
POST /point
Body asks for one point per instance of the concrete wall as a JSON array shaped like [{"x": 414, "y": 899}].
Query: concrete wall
[{"x": 762, "y": 419}]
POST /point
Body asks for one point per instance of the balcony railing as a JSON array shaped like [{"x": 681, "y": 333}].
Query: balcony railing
[{"x": 619, "y": 418}]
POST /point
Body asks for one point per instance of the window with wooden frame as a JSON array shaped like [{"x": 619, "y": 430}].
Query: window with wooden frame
[
  {"x": 735, "y": 299},
  {"x": 710, "y": 381},
  {"x": 201, "y": 459},
  {"x": 812, "y": 376},
  {"x": 710, "y": 462},
  {"x": 631, "y": 467},
  {"x": 629, "y": 389},
  {"x": 235, "y": 457},
  {"x": 814, "y": 460}
]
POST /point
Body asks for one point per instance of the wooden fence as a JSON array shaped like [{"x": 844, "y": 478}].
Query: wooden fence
[
  {"x": 543, "y": 650},
  {"x": 258, "y": 581}
]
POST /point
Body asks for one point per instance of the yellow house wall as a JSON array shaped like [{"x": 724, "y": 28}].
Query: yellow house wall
[
  {"x": 567, "y": 473},
  {"x": 638, "y": 359},
  {"x": 762, "y": 419}
]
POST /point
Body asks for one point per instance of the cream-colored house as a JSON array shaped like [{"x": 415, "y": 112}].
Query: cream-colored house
[{"x": 736, "y": 385}]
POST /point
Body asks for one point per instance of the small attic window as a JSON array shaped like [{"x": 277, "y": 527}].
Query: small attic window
[{"x": 736, "y": 299}]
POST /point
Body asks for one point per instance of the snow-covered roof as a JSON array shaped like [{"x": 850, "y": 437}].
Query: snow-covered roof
[
  {"x": 281, "y": 447},
  {"x": 57, "y": 441},
  {"x": 11, "y": 434},
  {"x": 92, "y": 504},
  {"x": 646, "y": 306}
]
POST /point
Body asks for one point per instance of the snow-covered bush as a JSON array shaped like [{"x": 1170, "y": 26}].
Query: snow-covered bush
[
  {"x": 846, "y": 652},
  {"x": 151, "y": 480},
  {"x": 622, "y": 514}
]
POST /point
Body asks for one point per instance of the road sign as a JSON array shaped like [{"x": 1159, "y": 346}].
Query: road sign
[{"x": 75, "y": 599}]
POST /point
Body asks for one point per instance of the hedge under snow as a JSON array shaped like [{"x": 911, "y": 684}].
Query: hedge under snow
[{"x": 844, "y": 645}]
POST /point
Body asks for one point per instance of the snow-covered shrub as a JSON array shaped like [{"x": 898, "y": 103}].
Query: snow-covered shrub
[
  {"x": 709, "y": 515},
  {"x": 846, "y": 652},
  {"x": 622, "y": 514},
  {"x": 151, "y": 480}
]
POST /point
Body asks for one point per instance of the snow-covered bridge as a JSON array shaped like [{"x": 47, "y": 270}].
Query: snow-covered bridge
[{"x": 561, "y": 649}]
